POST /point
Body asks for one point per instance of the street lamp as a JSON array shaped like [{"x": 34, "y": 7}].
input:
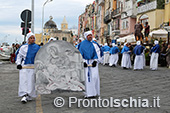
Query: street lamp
[
  {"x": 32, "y": 17},
  {"x": 43, "y": 18}
]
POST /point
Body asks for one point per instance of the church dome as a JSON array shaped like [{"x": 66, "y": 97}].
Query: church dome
[{"x": 50, "y": 24}]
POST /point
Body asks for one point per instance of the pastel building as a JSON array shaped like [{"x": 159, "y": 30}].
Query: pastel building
[{"x": 128, "y": 17}]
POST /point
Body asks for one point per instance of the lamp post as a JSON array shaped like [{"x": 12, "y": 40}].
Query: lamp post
[
  {"x": 43, "y": 18},
  {"x": 32, "y": 17}
]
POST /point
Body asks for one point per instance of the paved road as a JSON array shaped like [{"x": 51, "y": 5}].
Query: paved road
[{"x": 115, "y": 82}]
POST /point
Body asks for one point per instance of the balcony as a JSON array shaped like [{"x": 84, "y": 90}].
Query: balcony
[
  {"x": 147, "y": 7},
  {"x": 101, "y": 2},
  {"x": 116, "y": 12},
  {"x": 107, "y": 18}
]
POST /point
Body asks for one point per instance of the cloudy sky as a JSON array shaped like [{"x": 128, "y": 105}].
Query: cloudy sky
[{"x": 10, "y": 10}]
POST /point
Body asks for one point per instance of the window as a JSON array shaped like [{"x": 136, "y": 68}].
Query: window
[
  {"x": 64, "y": 38},
  {"x": 125, "y": 24},
  {"x": 57, "y": 38},
  {"x": 167, "y": 1}
]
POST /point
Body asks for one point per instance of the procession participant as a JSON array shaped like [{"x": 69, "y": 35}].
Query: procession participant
[
  {"x": 114, "y": 55},
  {"x": 167, "y": 56},
  {"x": 79, "y": 41},
  {"x": 106, "y": 50},
  {"x": 126, "y": 61},
  {"x": 139, "y": 60},
  {"x": 99, "y": 51},
  {"x": 25, "y": 59},
  {"x": 76, "y": 44},
  {"x": 88, "y": 52},
  {"x": 155, "y": 50},
  {"x": 143, "y": 53}
]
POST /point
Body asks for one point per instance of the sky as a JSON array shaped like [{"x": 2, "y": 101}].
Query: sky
[{"x": 10, "y": 11}]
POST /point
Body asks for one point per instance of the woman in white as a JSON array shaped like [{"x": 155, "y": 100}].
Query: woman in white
[
  {"x": 114, "y": 57},
  {"x": 126, "y": 61},
  {"x": 155, "y": 50},
  {"x": 139, "y": 58},
  {"x": 106, "y": 50}
]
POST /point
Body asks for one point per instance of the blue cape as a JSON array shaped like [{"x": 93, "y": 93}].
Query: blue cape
[
  {"x": 87, "y": 50},
  {"x": 155, "y": 49},
  {"x": 138, "y": 50},
  {"x": 125, "y": 49},
  {"x": 105, "y": 48},
  {"x": 114, "y": 50},
  {"x": 31, "y": 53}
]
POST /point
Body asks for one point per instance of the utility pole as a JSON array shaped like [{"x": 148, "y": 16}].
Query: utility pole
[{"x": 32, "y": 17}]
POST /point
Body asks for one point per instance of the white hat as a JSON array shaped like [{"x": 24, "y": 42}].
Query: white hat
[
  {"x": 105, "y": 44},
  {"x": 81, "y": 39},
  {"x": 87, "y": 33},
  {"x": 156, "y": 42},
  {"x": 113, "y": 44},
  {"x": 138, "y": 42},
  {"x": 29, "y": 35}
]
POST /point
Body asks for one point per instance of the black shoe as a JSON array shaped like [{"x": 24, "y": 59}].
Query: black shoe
[
  {"x": 90, "y": 97},
  {"x": 125, "y": 68}
]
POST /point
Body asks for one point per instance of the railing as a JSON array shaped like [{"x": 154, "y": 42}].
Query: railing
[
  {"x": 116, "y": 11},
  {"x": 147, "y": 7},
  {"x": 107, "y": 18}
]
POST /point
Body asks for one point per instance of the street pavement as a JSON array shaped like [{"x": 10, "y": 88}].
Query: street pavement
[{"x": 115, "y": 82}]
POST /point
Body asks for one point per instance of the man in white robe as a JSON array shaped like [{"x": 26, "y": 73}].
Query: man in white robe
[
  {"x": 114, "y": 57},
  {"x": 25, "y": 63},
  {"x": 88, "y": 52},
  {"x": 139, "y": 58},
  {"x": 155, "y": 50}
]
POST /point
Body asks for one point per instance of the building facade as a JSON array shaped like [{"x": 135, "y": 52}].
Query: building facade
[
  {"x": 113, "y": 19},
  {"x": 50, "y": 30}
]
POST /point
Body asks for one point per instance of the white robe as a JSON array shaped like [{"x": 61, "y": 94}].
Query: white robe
[
  {"x": 154, "y": 61},
  {"x": 139, "y": 62},
  {"x": 144, "y": 60},
  {"x": 113, "y": 59},
  {"x": 126, "y": 61},
  {"x": 100, "y": 59},
  {"x": 106, "y": 57},
  {"x": 26, "y": 76},
  {"x": 92, "y": 83}
]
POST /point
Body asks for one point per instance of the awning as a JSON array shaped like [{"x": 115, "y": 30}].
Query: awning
[
  {"x": 159, "y": 33},
  {"x": 128, "y": 38}
]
